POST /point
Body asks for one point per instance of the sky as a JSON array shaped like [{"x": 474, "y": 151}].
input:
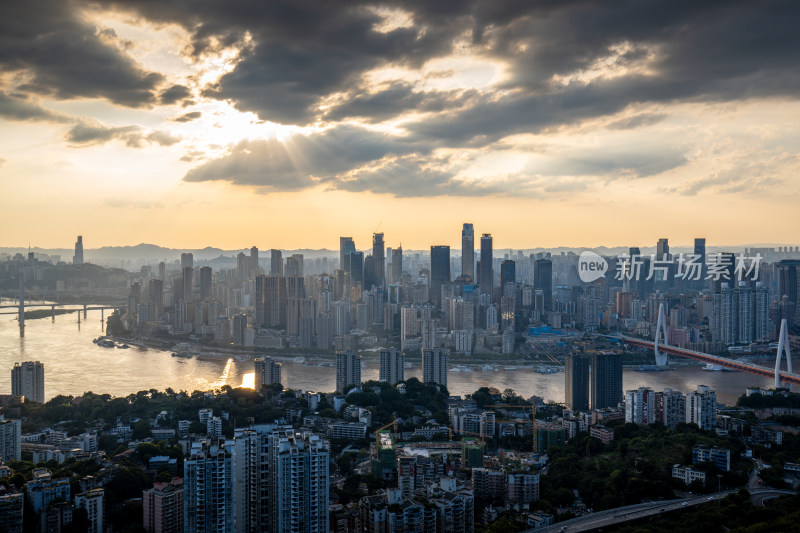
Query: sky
[{"x": 289, "y": 123}]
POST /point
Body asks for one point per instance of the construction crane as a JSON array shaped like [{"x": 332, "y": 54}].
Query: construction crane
[{"x": 377, "y": 433}]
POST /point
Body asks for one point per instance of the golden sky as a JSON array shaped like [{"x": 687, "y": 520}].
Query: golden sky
[{"x": 231, "y": 124}]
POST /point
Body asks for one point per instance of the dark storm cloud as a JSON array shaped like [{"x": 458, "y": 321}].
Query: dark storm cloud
[
  {"x": 303, "y": 52},
  {"x": 396, "y": 99},
  {"x": 301, "y": 161},
  {"x": 174, "y": 94},
  {"x": 15, "y": 108},
  {"x": 89, "y": 133},
  {"x": 187, "y": 117},
  {"x": 63, "y": 56}
]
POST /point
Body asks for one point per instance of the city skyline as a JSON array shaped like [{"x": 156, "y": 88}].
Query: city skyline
[{"x": 571, "y": 123}]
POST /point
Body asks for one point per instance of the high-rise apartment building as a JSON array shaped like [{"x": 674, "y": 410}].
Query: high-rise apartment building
[
  {"x": 701, "y": 408},
  {"x": 670, "y": 408},
  {"x": 434, "y": 366},
  {"x": 11, "y": 513},
  {"x": 392, "y": 369},
  {"x": 77, "y": 259},
  {"x": 606, "y": 380},
  {"x": 208, "y": 489},
  {"x": 486, "y": 275},
  {"x": 162, "y": 507},
  {"x": 576, "y": 386},
  {"x": 299, "y": 472},
  {"x": 640, "y": 406},
  {"x": 440, "y": 272},
  {"x": 92, "y": 501},
  {"x": 10, "y": 440},
  {"x": 468, "y": 252},
  {"x": 543, "y": 280},
  {"x": 27, "y": 379},
  {"x": 267, "y": 371},
  {"x": 348, "y": 370}
]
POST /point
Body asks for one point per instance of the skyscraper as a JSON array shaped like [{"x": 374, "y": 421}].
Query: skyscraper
[
  {"x": 10, "y": 439},
  {"x": 348, "y": 370},
  {"x": 434, "y": 366},
  {"x": 27, "y": 379},
  {"x": 162, "y": 507},
  {"x": 662, "y": 249},
  {"x": 379, "y": 254},
  {"x": 543, "y": 280},
  {"x": 440, "y": 271},
  {"x": 253, "y": 261},
  {"x": 77, "y": 259},
  {"x": 392, "y": 369},
  {"x": 468, "y": 252},
  {"x": 346, "y": 247},
  {"x": 356, "y": 268},
  {"x": 606, "y": 380},
  {"x": 208, "y": 489},
  {"x": 486, "y": 277},
  {"x": 92, "y": 501},
  {"x": 670, "y": 408},
  {"x": 205, "y": 283},
  {"x": 397, "y": 264},
  {"x": 187, "y": 260},
  {"x": 188, "y": 284},
  {"x": 576, "y": 386},
  {"x": 508, "y": 272},
  {"x": 275, "y": 262},
  {"x": 700, "y": 252}
]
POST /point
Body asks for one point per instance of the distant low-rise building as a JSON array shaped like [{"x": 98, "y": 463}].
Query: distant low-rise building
[{"x": 688, "y": 474}]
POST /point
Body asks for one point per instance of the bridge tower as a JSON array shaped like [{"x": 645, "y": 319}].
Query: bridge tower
[
  {"x": 783, "y": 345},
  {"x": 21, "y": 303},
  {"x": 661, "y": 328}
]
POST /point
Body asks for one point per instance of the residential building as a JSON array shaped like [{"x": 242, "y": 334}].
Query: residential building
[
  {"x": 92, "y": 501},
  {"x": 640, "y": 406},
  {"x": 348, "y": 370},
  {"x": 701, "y": 408},
  {"x": 267, "y": 372},
  {"x": 434, "y": 366},
  {"x": 162, "y": 507},
  {"x": 576, "y": 376},
  {"x": 27, "y": 379},
  {"x": 606, "y": 380},
  {"x": 10, "y": 439},
  {"x": 208, "y": 489},
  {"x": 392, "y": 365}
]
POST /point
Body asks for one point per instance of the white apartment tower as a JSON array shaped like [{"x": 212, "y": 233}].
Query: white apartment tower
[
  {"x": 392, "y": 361},
  {"x": 208, "y": 489},
  {"x": 640, "y": 406},
  {"x": 27, "y": 379},
  {"x": 701, "y": 408},
  {"x": 348, "y": 370}
]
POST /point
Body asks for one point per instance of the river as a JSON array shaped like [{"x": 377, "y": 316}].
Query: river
[{"x": 74, "y": 364}]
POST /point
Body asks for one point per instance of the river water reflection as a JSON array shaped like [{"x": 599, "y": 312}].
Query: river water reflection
[{"x": 74, "y": 364}]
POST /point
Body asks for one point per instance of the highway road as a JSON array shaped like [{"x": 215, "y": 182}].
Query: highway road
[{"x": 620, "y": 515}]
